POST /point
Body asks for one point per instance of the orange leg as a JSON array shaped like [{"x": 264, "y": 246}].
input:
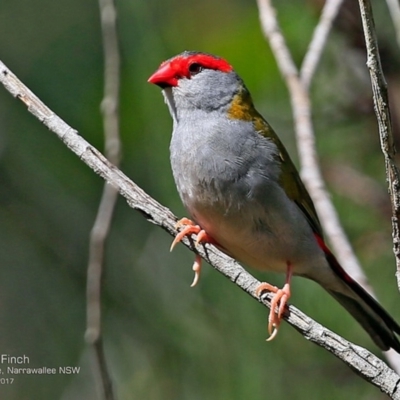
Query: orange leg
[
  {"x": 279, "y": 301},
  {"x": 188, "y": 228}
]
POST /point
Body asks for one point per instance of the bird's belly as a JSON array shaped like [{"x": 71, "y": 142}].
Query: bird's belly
[{"x": 268, "y": 244}]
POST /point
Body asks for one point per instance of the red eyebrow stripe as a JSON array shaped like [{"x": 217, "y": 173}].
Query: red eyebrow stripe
[{"x": 180, "y": 64}]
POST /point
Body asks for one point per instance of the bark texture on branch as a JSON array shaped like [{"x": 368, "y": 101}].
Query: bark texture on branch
[{"x": 382, "y": 112}]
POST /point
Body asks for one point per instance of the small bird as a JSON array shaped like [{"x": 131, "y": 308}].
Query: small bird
[{"x": 244, "y": 194}]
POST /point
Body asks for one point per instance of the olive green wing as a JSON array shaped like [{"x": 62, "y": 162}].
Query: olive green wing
[
  {"x": 242, "y": 108},
  {"x": 290, "y": 179}
]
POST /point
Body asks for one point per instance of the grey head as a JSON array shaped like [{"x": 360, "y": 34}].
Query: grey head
[{"x": 194, "y": 81}]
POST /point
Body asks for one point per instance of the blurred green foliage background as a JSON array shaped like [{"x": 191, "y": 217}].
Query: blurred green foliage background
[{"x": 164, "y": 340}]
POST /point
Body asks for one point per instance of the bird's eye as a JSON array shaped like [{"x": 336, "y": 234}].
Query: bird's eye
[{"x": 195, "y": 68}]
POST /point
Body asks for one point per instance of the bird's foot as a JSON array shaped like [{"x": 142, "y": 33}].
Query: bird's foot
[
  {"x": 278, "y": 301},
  {"x": 189, "y": 227}
]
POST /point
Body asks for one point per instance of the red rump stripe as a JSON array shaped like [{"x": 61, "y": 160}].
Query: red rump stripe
[{"x": 337, "y": 268}]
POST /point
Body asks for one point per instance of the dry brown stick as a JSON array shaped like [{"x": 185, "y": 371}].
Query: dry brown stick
[
  {"x": 101, "y": 226},
  {"x": 364, "y": 363}
]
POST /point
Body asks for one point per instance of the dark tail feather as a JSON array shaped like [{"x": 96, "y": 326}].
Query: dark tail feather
[
  {"x": 363, "y": 307},
  {"x": 372, "y": 317}
]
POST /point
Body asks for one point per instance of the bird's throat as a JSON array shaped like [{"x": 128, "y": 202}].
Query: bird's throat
[{"x": 169, "y": 100}]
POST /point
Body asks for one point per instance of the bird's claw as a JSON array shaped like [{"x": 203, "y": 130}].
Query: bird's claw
[
  {"x": 189, "y": 228},
  {"x": 197, "y": 269},
  {"x": 278, "y": 301}
]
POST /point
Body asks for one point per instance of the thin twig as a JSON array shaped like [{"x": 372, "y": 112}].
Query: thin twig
[
  {"x": 105, "y": 375},
  {"x": 101, "y": 227},
  {"x": 382, "y": 111},
  {"x": 109, "y": 106},
  {"x": 318, "y": 41},
  {"x": 364, "y": 363},
  {"x": 394, "y": 9}
]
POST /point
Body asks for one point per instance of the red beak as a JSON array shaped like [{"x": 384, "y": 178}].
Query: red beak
[{"x": 165, "y": 76}]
